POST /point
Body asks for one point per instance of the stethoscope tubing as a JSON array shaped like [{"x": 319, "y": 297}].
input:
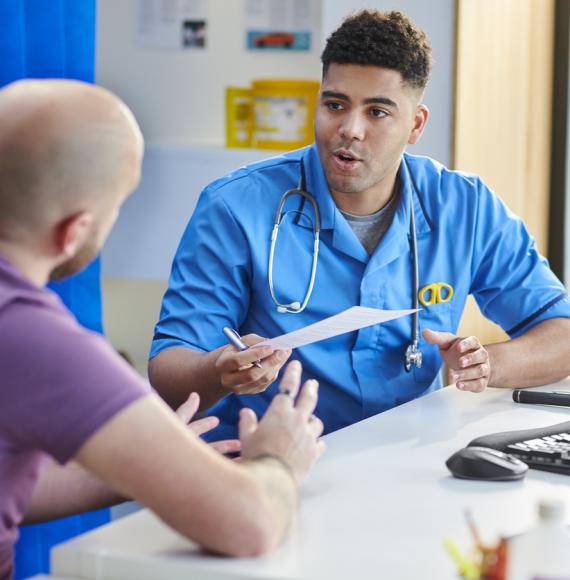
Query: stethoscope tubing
[
  {"x": 300, "y": 190},
  {"x": 415, "y": 274}
]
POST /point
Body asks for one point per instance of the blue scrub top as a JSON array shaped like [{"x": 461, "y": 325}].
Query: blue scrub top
[{"x": 466, "y": 237}]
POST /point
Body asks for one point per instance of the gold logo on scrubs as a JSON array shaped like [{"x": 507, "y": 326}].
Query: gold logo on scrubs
[{"x": 435, "y": 293}]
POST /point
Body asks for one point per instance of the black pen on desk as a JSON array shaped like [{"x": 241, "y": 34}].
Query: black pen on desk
[
  {"x": 236, "y": 340},
  {"x": 541, "y": 397}
]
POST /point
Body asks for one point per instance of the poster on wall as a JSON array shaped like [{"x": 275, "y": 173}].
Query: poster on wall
[
  {"x": 282, "y": 25},
  {"x": 172, "y": 24}
]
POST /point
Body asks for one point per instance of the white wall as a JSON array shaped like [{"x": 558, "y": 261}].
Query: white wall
[
  {"x": 146, "y": 235},
  {"x": 178, "y": 95}
]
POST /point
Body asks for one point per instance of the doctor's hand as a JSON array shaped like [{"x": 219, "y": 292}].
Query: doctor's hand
[
  {"x": 288, "y": 430},
  {"x": 188, "y": 409},
  {"x": 236, "y": 368},
  {"x": 466, "y": 357}
]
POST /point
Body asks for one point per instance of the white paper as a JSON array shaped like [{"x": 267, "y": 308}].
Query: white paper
[
  {"x": 352, "y": 319},
  {"x": 172, "y": 23}
]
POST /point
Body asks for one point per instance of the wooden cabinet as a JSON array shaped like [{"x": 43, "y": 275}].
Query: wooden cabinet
[{"x": 502, "y": 122}]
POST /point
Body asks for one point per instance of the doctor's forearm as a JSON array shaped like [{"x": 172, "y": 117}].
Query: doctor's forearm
[
  {"x": 176, "y": 372},
  {"x": 539, "y": 356}
]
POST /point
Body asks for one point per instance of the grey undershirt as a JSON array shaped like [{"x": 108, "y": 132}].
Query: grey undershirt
[{"x": 370, "y": 229}]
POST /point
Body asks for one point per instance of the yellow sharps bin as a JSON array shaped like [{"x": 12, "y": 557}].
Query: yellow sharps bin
[
  {"x": 282, "y": 113},
  {"x": 238, "y": 117}
]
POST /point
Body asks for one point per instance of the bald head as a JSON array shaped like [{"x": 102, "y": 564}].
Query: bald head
[{"x": 65, "y": 147}]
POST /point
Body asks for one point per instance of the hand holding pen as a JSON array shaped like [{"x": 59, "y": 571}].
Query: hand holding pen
[
  {"x": 233, "y": 336},
  {"x": 237, "y": 368}
]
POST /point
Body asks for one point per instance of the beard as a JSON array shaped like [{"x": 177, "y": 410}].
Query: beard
[{"x": 76, "y": 263}]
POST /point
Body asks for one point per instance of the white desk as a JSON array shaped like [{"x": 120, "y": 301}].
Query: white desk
[{"x": 377, "y": 505}]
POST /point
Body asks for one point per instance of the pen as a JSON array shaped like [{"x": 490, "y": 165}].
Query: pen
[
  {"x": 541, "y": 397},
  {"x": 236, "y": 340}
]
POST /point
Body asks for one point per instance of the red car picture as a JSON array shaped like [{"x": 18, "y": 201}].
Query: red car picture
[{"x": 274, "y": 40}]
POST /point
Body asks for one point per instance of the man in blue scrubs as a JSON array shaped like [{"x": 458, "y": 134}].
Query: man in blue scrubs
[{"x": 375, "y": 69}]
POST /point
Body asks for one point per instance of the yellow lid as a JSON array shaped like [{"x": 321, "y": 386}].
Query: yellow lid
[{"x": 284, "y": 83}]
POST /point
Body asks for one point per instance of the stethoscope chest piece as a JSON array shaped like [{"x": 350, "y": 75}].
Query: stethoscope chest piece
[{"x": 413, "y": 357}]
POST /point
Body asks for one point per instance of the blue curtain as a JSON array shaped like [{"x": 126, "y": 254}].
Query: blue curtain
[{"x": 53, "y": 39}]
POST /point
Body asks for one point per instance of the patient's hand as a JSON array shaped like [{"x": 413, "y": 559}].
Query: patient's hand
[{"x": 188, "y": 409}]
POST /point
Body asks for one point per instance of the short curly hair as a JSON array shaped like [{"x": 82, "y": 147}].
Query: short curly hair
[{"x": 384, "y": 39}]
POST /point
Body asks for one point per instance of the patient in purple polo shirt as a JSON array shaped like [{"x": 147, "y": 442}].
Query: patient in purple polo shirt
[
  {"x": 78, "y": 428},
  {"x": 59, "y": 384}
]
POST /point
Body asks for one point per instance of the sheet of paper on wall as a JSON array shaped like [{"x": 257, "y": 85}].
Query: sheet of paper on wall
[
  {"x": 176, "y": 24},
  {"x": 354, "y": 318},
  {"x": 283, "y": 25}
]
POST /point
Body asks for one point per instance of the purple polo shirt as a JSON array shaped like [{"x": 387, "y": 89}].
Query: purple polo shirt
[{"x": 59, "y": 384}]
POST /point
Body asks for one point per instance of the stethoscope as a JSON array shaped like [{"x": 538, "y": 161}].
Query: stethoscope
[{"x": 413, "y": 355}]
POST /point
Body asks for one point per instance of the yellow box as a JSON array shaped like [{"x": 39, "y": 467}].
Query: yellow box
[
  {"x": 238, "y": 117},
  {"x": 283, "y": 112}
]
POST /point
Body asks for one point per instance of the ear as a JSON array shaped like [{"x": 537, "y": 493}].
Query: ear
[
  {"x": 72, "y": 232},
  {"x": 420, "y": 122}
]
